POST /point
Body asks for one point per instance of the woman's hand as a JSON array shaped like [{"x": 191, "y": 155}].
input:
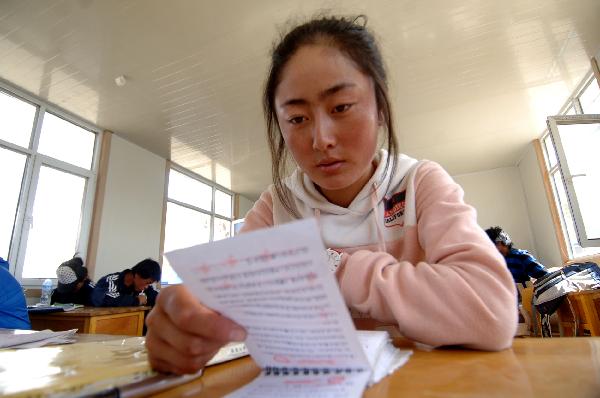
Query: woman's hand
[{"x": 183, "y": 334}]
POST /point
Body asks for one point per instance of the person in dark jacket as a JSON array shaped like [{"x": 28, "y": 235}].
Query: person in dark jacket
[
  {"x": 521, "y": 264},
  {"x": 130, "y": 287},
  {"x": 73, "y": 286}
]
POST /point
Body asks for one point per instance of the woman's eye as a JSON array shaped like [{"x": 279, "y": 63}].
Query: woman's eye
[
  {"x": 296, "y": 120},
  {"x": 341, "y": 108}
]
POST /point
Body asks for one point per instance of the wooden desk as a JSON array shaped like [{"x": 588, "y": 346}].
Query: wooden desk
[
  {"x": 559, "y": 367},
  {"x": 584, "y": 318},
  {"x": 104, "y": 320}
]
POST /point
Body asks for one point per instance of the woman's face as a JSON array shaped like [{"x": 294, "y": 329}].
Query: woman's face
[{"x": 327, "y": 113}]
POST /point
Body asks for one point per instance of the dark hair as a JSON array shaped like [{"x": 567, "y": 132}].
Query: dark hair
[
  {"x": 351, "y": 37},
  {"x": 147, "y": 268},
  {"x": 69, "y": 274},
  {"x": 497, "y": 235}
]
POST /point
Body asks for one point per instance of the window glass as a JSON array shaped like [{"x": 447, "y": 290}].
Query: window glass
[
  {"x": 565, "y": 209},
  {"x": 183, "y": 228},
  {"x": 571, "y": 110},
  {"x": 590, "y": 98},
  {"x": 550, "y": 151},
  {"x": 580, "y": 143},
  {"x": 222, "y": 229},
  {"x": 222, "y": 203},
  {"x": 12, "y": 165},
  {"x": 56, "y": 213},
  {"x": 189, "y": 190},
  {"x": 66, "y": 141},
  {"x": 16, "y": 120}
]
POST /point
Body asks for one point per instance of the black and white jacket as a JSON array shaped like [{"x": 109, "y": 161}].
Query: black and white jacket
[{"x": 110, "y": 291}]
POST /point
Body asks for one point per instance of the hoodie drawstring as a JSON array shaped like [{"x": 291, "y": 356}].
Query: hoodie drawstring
[{"x": 381, "y": 241}]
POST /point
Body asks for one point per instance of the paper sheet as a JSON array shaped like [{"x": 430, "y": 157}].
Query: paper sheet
[
  {"x": 311, "y": 386},
  {"x": 275, "y": 282},
  {"x": 31, "y": 339}
]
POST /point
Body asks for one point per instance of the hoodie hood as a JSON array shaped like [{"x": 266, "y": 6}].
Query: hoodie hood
[
  {"x": 361, "y": 223},
  {"x": 309, "y": 200}
]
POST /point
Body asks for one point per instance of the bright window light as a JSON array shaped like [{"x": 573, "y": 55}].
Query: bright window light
[
  {"x": 222, "y": 203},
  {"x": 580, "y": 143},
  {"x": 184, "y": 228},
  {"x": 222, "y": 229},
  {"x": 189, "y": 190},
  {"x": 16, "y": 120},
  {"x": 66, "y": 141},
  {"x": 56, "y": 219},
  {"x": 12, "y": 165},
  {"x": 590, "y": 98}
]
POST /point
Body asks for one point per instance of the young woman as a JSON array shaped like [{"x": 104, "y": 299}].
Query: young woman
[{"x": 411, "y": 250}]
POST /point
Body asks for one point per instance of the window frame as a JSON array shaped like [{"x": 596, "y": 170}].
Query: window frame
[
  {"x": 212, "y": 214},
  {"x": 567, "y": 178},
  {"x": 34, "y": 162},
  {"x": 213, "y": 185},
  {"x": 565, "y": 246}
]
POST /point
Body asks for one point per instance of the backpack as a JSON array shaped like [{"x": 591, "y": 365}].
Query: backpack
[{"x": 551, "y": 290}]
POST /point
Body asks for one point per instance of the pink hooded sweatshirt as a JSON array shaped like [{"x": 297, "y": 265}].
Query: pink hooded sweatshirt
[{"x": 412, "y": 255}]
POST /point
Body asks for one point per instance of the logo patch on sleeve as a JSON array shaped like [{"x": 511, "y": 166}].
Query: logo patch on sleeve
[{"x": 394, "y": 209}]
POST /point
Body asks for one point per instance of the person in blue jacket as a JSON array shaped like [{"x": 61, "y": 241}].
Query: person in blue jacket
[
  {"x": 13, "y": 307},
  {"x": 521, "y": 264},
  {"x": 127, "y": 288}
]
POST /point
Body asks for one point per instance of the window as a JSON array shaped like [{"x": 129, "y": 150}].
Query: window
[
  {"x": 48, "y": 181},
  {"x": 570, "y": 147},
  {"x": 198, "y": 211},
  {"x": 577, "y": 141},
  {"x": 589, "y": 99}
]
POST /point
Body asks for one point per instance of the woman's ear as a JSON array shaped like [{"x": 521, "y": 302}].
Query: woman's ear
[{"x": 380, "y": 118}]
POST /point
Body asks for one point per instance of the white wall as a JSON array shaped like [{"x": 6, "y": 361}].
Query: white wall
[
  {"x": 539, "y": 210},
  {"x": 131, "y": 219},
  {"x": 244, "y": 206},
  {"x": 498, "y": 197}
]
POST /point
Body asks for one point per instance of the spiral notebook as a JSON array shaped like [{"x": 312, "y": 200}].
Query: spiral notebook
[{"x": 275, "y": 282}]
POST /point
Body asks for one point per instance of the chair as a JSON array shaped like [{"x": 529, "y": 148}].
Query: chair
[{"x": 532, "y": 319}]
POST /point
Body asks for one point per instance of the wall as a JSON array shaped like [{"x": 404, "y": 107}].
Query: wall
[
  {"x": 539, "y": 209},
  {"x": 130, "y": 225},
  {"x": 243, "y": 206},
  {"x": 498, "y": 197}
]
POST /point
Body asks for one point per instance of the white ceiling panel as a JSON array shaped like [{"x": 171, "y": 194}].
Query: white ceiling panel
[{"x": 472, "y": 81}]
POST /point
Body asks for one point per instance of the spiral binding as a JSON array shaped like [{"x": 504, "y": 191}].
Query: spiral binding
[{"x": 283, "y": 371}]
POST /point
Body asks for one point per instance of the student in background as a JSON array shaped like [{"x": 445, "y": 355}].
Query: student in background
[
  {"x": 521, "y": 264},
  {"x": 130, "y": 287},
  {"x": 73, "y": 286},
  {"x": 13, "y": 307},
  {"x": 407, "y": 249}
]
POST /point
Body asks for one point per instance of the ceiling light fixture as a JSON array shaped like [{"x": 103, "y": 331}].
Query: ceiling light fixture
[{"x": 120, "y": 81}]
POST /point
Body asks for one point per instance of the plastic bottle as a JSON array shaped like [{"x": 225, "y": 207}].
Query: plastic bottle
[{"x": 46, "y": 292}]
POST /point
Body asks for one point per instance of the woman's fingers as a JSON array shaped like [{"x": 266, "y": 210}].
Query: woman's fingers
[
  {"x": 183, "y": 334},
  {"x": 189, "y": 315},
  {"x": 165, "y": 358}
]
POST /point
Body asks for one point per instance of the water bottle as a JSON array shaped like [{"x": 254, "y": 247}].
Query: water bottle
[{"x": 46, "y": 292}]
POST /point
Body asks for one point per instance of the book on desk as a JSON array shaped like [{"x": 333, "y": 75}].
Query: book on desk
[{"x": 45, "y": 308}]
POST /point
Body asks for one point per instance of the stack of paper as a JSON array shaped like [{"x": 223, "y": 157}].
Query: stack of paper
[
  {"x": 275, "y": 282},
  {"x": 31, "y": 339}
]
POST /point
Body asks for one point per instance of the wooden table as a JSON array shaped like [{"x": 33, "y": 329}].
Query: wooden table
[
  {"x": 104, "y": 320},
  {"x": 557, "y": 367},
  {"x": 579, "y": 313}
]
